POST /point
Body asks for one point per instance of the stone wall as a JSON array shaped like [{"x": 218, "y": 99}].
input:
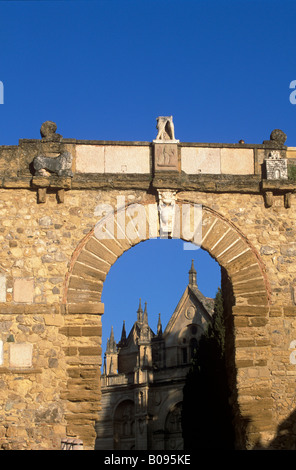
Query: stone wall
[{"x": 52, "y": 272}]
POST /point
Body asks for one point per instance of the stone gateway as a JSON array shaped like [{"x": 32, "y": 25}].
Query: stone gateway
[
  {"x": 144, "y": 376},
  {"x": 53, "y": 268}
]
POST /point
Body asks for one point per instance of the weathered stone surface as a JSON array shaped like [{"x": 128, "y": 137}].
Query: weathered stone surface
[
  {"x": 90, "y": 159},
  {"x": 53, "y": 269},
  {"x": 20, "y": 355},
  {"x": 2, "y": 288},
  {"x": 23, "y": 290},
  {"x": 237, "y": 161},
  {"x": 123, "y": 159},
  {"x": 200, "y": 160}
]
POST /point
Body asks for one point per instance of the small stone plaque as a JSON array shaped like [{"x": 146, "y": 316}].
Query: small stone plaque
[
  {"x": 166, "y": 157},
  {"x": 20, "y": 355},
  {"x": 23, "y": 290}
]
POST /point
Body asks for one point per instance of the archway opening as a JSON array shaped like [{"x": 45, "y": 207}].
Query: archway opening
[
  {"x": 157, "y": 272},
  {"x": 247, "y": 303}
]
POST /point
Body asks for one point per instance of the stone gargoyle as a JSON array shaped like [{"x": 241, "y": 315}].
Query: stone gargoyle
[{"x": 60, "y": 165}]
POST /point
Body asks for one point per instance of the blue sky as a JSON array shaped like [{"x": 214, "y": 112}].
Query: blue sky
[{"x": 105, "y": 69}]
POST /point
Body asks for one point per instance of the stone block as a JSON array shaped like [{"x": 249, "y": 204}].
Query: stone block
[
  {"x": 23, "y": 290},
  {"x": 291, "y": 152},
  {"x": 20, "y": 354},
  {"x": 90, "y": 159},
  {"x": 2, "y": 288},
  {"x": 1, "y": 352},
  {"x": 237, "y": 161},
  {"x": 88, "y": 285},
  {"x": 80, "y": 308},
  {"x": 75, "y": 296},
  {"x": 127, "y": 159},
  {"x": 200, "y": 160}
]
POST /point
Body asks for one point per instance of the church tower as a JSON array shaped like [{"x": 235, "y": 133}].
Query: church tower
[
  {"x": 192, "y": 276},
  {"x": 111, "y": 356}
]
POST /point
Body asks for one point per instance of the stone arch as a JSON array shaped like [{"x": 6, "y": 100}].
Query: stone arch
[
  {"x": 94, "y": 257},
  {"x": 245, "y": 275}
]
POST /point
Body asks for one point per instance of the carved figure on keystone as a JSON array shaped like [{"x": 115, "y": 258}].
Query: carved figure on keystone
[
  {"x": 48, "y": 132},
  {"x": 165, "y": 128},
  {"x": 61, "y": 165}
]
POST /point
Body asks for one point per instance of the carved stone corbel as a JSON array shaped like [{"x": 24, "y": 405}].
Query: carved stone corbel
[
  {"x": 58, "y": 184},
  {"x": 287, "y": 200},
  {"x": 268, "y": 197},
  {"x": 41, "y": 195}
]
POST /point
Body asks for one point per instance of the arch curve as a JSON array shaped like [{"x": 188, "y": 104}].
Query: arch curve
[
  {"x": 94, "y": 256},
  {"x": 241, "y": 264}
]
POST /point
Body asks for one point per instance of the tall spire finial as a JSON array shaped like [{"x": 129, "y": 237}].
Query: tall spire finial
[
  {"x": 192, "y": 275},
  {"x": 159, "y": 326},
  {"x": 123, "y": 336},
  {"x": 139, "y": 312},
  {"x": 111, "y": 344},
  {"x": 145, "y": 315}
]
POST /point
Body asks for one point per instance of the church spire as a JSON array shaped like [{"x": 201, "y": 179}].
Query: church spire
[
  {"x": 123, "y": 340},
  {"x": 139, "y": 313},
  {"x": 111, "y": 344},
  {"x": 111, "y": 361},
  {"x": 192, "y": 276},
  {"x": 159, "y": 326},
  {"x": 145, "y": 315},
  {"x": 123, "y": 333},
  {"x": 145, "y": 330}
]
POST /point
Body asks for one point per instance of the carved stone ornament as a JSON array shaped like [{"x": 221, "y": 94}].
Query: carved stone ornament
[
  {"x": 277, "y": 139},
  {"x": 276, "y": 166},
  {"x": 48, "y": 132},
  {"x": 190, "y": 312},
  {"x": 166, "y": 211},
  {"x": 277, "y": 135},
  {"x": 166, "y": 157},
  {"x": 166, "y": 130},
  {"x": 60, "y": 166}
]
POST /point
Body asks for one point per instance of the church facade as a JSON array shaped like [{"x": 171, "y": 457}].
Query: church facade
[{"x": 144, "y": 375}]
